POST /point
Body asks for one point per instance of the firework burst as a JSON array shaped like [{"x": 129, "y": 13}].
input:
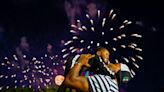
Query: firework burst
[
  {"x": 38, "y": 73},
  {"x": 119, "y": 36}
]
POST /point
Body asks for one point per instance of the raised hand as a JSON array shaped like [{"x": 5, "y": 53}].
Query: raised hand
[{"x": 84, "y": 58}]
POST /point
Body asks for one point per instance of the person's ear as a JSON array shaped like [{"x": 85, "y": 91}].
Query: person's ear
[{"x": 98, "y": 53}]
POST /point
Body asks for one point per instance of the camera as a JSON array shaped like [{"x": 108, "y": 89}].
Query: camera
[{"x": 94, "y": 63}]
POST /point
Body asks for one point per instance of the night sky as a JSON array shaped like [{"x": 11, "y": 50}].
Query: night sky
[{"x": 46, "y": 21}]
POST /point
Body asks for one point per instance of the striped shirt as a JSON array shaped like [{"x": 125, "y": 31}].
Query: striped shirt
[{"x": 102, "y": 83}]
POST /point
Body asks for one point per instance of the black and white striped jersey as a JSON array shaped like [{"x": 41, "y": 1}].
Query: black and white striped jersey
[{"x": 102, "y": 83}]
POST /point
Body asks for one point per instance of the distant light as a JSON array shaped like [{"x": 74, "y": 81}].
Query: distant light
[
  {"x": 65, "y": 55},
  {"x": 24, "y": 56},
  {"x": 59, "y": 79},
  {"x": 74, "y": 37},
  {"x": 123, "y": 35},
  {"x": 29, "y": 86},
  {"x": 135, "y": 65},
  {"x": 8, "y": 68},
  {"x": 140, "y": 23},
  {"x": 87, "y": 16},
  {"x": 15, "y": 57},
  {"x": 38, "y": 87},
  {"x": 119, "y": 37},
  {"x": 12, "y": 65},
  {"x": 88, "y": 47},
  {"x": 72, "y": 31},
  {"x": 114, "y": 49},
  {"x": 1, "y": 76},
  {"x": 30, "y": 81},
  {"x": 80, "y": 29},
  {"x": 116, "y": 60},
  {"x": 71, "y": 48},
  {"x": 81, "y": 49},
  {"x": 2, "y": 64},
  {"x": 111, "y": 29},
  {"x": 126, "y": 59},
  {"x": 98, "y": 44},
  {"x": 133, "y": 44},
  {"x": 141, "y": 58},
  {"x": 102, "y": 33},
  {"x": 72, "y": 51},
  {"x": 1, "y": 88},
  {"x": 138, "y": 49},
  {"x": 114, "y": 15},
  {"x": 106, "y": 42},
  {"x": 47, "y": 80},
  {"x": 129, "y": 22},
  {"x": 133, "y": 72},
  {"x": 125, "y": 21},
  {"x": 6, "y": 58},
  {"x": 154, "y": 29},
  {"x": 103, "y": 23},
  {"x": 74, "y": 26},
  {"x": 83, "y": 27},
  {"x": 78, "y": 20},
  {"x": 123, "y": 46},
  {"x": 98, "y": 13},
  {"x": 121, "y": 27},
  {"x": 115, "y": 39},
  {"x": 68, "y": 42},
  {"x": 91, "y": 42},
  {"x": 92, "y": 28},
  {"x": 6, "y": 77},
  {"x": 43, "y": 66},
  {"x": 111, "y": 11},
  {"x": 136, "y": 35},
  {"x": 81, "y": 41},
  {"x": 7, "y": 87},
  {"x": 91, "y": 21},
  {"x": 133, "y": 58},
  {"x": 41, "y": 57},
  {"x": 33, "y": 59},
  {"x": 45, "y": 55},
  {"x": 15, "y": 81}
]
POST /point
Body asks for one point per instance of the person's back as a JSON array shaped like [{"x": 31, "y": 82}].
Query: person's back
[{"x": 102, "y": 83}]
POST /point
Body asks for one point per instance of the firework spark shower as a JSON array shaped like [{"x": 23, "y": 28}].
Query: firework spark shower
[{"x": 36, "y": 38}]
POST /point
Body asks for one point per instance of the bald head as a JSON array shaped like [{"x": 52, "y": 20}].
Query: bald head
[{"x": 104, "y": 53}]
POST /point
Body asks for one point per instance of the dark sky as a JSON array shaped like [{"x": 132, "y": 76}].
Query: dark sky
[{"x": 46, "y": 21}]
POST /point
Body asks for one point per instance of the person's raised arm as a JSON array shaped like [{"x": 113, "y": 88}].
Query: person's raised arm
[{"x": 73, "y": 80}]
